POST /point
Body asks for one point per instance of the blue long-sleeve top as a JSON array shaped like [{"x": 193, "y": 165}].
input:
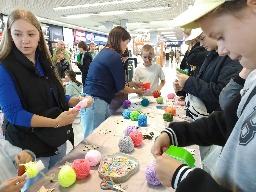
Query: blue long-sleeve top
[{"x": 10, "y": 101}]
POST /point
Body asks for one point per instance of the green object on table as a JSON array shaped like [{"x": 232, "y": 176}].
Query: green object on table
[
  {"x": 168, "y": 117},
  {"x": 182, "y": 155},
  {"x": 182, "y": 71},
  {"x": 159, "y": 100},
  {"x": 134, "y": 115}
]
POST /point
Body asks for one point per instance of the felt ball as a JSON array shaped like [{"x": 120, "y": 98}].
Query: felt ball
[
  {"x": 31, "y": 169},
  {"x": 137, "y": 138},
  {"x": 126, "y": 113},
  {"x": 66, "y": 176},
  {"x": 156, "y": 94},
  {"x": 168, "y": 117},
  {"x": 170, "y": 110},
  {"x": 171, "y": 96},
  {"x": 142, "y": 120},
  {"x": 129, "y": 129},
  {"x": 134, "y": 115},
  {"x": 94, "y": 157},
  {"x": 159, "y": 100},
  {"x": 81, "y": 168},
  {"x": 151, "y": 174},
  {"x": 144, "y": 102},
  {"x": 126, "y": 144},
  {"x": 126, "y": 103}
]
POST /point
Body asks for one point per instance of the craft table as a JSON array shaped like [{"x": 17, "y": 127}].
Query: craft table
[{"x": 105, "y": 139}]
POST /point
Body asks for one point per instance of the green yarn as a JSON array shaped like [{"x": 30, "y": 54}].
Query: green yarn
[
  {"x": 144, "y": 102},
  {"x": 134, "y": 115},
  {"x": 160, "y": 100},
  {"x": 67, "y": 176},
  {"x": 31, "y": 169},
  {"x": 182, "y": 155},
  {"x": 168, "y": 117}
]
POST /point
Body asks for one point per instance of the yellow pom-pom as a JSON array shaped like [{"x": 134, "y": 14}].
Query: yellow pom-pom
[
  {"x": 31, "y": 169},
  {"x": 67, "y": 176}
]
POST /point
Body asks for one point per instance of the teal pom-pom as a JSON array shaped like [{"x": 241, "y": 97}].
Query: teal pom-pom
[
  {"x": 134, "y": 115},
  {"x": 126, "y": 113},
  {"x": 144, "y": 102},
  {"x": 159, "y": 100}
]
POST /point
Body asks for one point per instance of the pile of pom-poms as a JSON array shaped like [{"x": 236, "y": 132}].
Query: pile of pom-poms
[
  {"x": 142, "y": 120},
  {"x": 81, "y": 168},
  {"x": 137, "y": 138},
  {"x": 159, "y": 100},
  {"x": 151, "y": 174},
  {"x": 126, "y": 103},
  {"x": 93, "y": 157},
  {"x": 134, "y": 115},
  {"x": 144, "y": 102},
  {"x": 168, "y": 117},
  {"x": 126, "y": 145},
  {"x": 129, "y": 129},
  {"x": 126, "y": 114}
]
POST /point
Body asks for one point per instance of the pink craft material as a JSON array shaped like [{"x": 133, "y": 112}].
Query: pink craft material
[
  {"x": 94, "y": 157},
  {"x": 137, "y": 138},
  {"x": 81, "y": 168},
  {"x": 129, "y": 129},
  {"x": 171, "y": 96},
  {"x": 82, "y": 104}
]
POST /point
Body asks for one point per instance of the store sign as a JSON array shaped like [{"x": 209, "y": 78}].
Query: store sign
[
  {"x": 173, "y": 43},
  {"x": 142, "y": 39},
  {"x": 96, "y": 38},
  {"x": 79, "y": 35}
]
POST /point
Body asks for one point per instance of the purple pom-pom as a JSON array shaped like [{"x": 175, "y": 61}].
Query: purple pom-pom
[
  {"x": 129, "y": 129},
  {"x": 126, "y": 103},
  {"x": 151, "y": 174}
]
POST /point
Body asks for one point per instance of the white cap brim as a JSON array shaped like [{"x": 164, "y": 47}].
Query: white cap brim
[{"x": 194, "y": 34}]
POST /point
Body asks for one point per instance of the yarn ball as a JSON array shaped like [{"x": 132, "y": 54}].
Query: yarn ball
[
  {"x": 168, "y": 117},
  {"x": 126, "y": 144},
  {"x": 144, "y": 102},
  {"x": 31, "y": 169},
  {"x": 171, "y": 96},
  {"x": 137, "y": 138},
  {"x": 156, "y": 94},
  {"x": 126, "y": 103},
  {"x": 66, "y": 176},
  {"x": 81, "y": 168},
  {"x": 94, "y": 157},
  {"x": 134, "y": 115},
  {"x": 159, "y": 100},
  {"x": 126, "y": 113},
  {"x": 129, "y": 129},
  {"x": 151, "y": 174},
  {"x": 170, "y": 110},
  {"x": 142, "y": 120}
]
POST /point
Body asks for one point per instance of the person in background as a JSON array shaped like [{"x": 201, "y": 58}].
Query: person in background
[
  {"x": 149, "y": 71},
  {"x": 62, "y": 65},
  {"x": 93, "y": 50},
  {"x": 74, "y": 87},
  {"x": 9, "y": 181},
  {"x": 61, "y": 46},
  {"x": 171, "y": 54},
  {"x": 232, "y": 24},
  {"x": 29, "y": 87},
  {"x": 105, "y": 78},
  {"x": 85, "y": 60}
]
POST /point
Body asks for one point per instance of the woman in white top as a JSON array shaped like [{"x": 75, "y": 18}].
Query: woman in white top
[{"x": 74, "y": 87}]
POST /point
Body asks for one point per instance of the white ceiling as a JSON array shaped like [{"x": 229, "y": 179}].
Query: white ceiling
[{"x": 138, "y": 16}]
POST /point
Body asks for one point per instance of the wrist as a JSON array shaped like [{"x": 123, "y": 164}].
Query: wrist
[{"x": 56, "y": 123}]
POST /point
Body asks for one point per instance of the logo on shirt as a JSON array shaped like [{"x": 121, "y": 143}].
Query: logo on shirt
[{"x": 248, "y": 129}]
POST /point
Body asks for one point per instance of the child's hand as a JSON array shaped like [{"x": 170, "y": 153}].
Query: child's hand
[
  {"x": 182, "y": 78},
  {"x": 23, "y": 157},
  {"x": 161, "y": 144},
  {"x": 135, "y": 84},
  {"x": 139, "y": 92},
  {"x": 13, "y": 185}
]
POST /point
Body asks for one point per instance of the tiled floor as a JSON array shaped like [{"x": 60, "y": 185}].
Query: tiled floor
[{"x": 170, "y": 75}]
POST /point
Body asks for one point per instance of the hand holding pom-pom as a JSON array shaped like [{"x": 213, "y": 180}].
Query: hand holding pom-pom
[{"x": 151, "y": 174}]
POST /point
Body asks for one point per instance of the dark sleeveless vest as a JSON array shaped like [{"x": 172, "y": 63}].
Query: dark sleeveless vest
[{"x": 36, "y": 97}]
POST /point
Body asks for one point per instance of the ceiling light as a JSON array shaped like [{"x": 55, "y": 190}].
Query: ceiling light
[
  {"x": 112, "y": 13},
  {"x": 95, "y": 4},
  {"x": 149, "y": 9},
  {"x": 77, "y": 16}
]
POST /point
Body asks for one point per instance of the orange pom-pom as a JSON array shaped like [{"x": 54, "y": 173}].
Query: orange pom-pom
[{"x": 170, "y": 110}]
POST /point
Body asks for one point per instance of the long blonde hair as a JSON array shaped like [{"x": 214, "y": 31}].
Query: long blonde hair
[{"x": 7, "y": 44}]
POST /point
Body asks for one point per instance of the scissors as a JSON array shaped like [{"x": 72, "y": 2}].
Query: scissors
[{"x": 108, "y": 184}]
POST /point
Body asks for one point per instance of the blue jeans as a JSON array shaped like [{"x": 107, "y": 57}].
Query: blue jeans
[
  {"x": 92, "y": 117},
  {"x": 48, "y": 163}
]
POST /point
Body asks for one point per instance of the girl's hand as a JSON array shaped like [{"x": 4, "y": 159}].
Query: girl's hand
[{"x": 13, "y": 185}]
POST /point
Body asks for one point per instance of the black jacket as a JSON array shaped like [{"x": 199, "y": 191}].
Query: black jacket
[{"x": 84, "y": 68}]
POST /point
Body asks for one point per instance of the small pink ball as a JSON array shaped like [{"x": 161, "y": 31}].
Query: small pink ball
[
  {"x": 94, "y": 157},
  {"x": 137, "y": 138},
  {"x": 81, "y": 168},
  {"x": 170, "y": 95}
]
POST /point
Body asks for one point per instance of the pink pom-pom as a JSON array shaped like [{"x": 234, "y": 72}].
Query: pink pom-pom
[
  {"x": 82, "y": 104},
  {"x": 94, "y": 157},
  {"x": 137, "y": 138},
  {"x": 81, "y": 168},
  {"x": 129, "y": 129},
  {"x": 171, "y": 96}
]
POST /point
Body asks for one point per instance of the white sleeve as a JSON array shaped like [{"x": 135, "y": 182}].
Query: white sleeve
[{"x": 9, "y": 149}]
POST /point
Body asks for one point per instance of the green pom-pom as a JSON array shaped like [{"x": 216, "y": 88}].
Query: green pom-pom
[
  {"x": 168, "y": 117},
  {"x": 160, "y": 100},
  {"x": 134, "y": 115},
  {"x": 31, "y": 169},
  {"x": 144, "y": 102},
  {"x": 67, "y": 176}
]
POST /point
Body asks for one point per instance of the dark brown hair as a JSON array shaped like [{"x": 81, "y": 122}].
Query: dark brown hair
[
  {"x": 116, "y": 35},
  {"x": 83, "y": 45},
  {"x": 72, "y": 76}
]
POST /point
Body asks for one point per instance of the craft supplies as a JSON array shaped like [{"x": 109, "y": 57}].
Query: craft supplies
[
  {"x": 81, "y": 168},
  {"x": 94, "y": 157},
  {"x": 134, "y": 115},
  {"x": 126, "y": 103},
  {"x": 151, "y": 174},
  {"x": 126, "y": 114},
  {"x": 168, "y": 117},
  {"x": 142, "y": 120},
  {"x": 126, "y": 145},
  {"x": 129, "y": 129},
  {"x": 144, "y": 102},
  {"x": 137, "y": 138},
  {"x": 66, "y": 176}
]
